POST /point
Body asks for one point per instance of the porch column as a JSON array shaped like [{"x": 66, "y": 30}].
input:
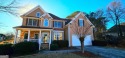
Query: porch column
[
  {"x": 50, "y": 38},
  {"x": 39, "y": 41},
  {"x": 28, "y": 35},
  {"x": 16, "y": 33}
]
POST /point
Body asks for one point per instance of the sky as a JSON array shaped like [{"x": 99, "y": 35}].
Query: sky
[{"x": 61, "y": 8}]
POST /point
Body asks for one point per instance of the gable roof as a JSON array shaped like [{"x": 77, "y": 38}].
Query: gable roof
[
  {"x": 33, "y": 10},
  {"x": 114, "y": 28},
  {"x": 73, "y": 14},
  {"x": 77, "y": 13}
]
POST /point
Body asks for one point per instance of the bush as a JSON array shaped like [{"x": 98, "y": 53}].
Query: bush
[
  {"x": 112, "y": 40},
  {"x": 99, "y": 43},
  {"x": 6, "y": 49},
  {"x": 26, "y": 47},
  {"x": 54, "y": 47},
  {"x": 61, "y": 43}
]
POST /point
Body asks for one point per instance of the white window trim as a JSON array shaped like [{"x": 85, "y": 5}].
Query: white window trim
[
  {"x": 32, "y": 22},
  {"x": 39, "y": 13},
  {"x": 44, "y": 22},
  {"x": 58, "y": 25},
  {"x": 59, "y": 32}
]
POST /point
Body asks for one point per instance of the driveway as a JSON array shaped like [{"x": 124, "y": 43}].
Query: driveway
[{"x": 105, "y": 52}]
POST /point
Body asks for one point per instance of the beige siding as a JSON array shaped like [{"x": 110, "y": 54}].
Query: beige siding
[{"x": 33, "y": 13}]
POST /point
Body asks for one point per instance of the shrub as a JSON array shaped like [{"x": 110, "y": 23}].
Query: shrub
[
  {"x": 99, "y": 43},
  {"x": 54, "y": 47},
  {"x": 61, "y": 43},
  {"x": 25, "y": 47},
  {"x": 6, "y": 49}
]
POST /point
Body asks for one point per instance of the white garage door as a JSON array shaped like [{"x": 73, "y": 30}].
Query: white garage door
[{"x": 76, "y": 42}]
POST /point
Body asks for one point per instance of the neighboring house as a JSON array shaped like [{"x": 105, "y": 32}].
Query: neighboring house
[
  {"x": 44, "y": 27},
  {"x": 113, "y": 30},
  {"x": 2, "y": 37}
]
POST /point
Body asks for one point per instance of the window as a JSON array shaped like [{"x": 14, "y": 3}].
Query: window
[
  {"x": 57, "y": 35},
  {"x": 32, "y": 22},
  {"x": 38, "y": 14},
  {"x": 57, "y": 24},
  {"x": 81, "y": 22},
  {"x": 46, "y": 23},
  {"x": 36, "y": 36}
]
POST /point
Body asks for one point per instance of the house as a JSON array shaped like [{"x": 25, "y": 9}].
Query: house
[
  {"x": 2, "y": 37},
  {"x": 113, "y": 30},
  {"x": 40, "y": 26}
]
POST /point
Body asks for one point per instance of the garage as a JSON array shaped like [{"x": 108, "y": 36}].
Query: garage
[{"x": 76, "y": 42}]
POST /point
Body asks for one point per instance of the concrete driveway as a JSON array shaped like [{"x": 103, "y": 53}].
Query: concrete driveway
[{"x": 105, "y": 51}]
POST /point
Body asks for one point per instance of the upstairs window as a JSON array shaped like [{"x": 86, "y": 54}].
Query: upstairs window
[
  {"x": 32, "y": 22},
  {"x": 38, "y": 14},
  {"x": 57, "y": 24},
  {"x": 81, "y": 22},
  {"x": 46, "y": 23}
]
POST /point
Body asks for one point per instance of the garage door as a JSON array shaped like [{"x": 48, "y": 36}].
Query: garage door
[{"x": 76, "y": 42}]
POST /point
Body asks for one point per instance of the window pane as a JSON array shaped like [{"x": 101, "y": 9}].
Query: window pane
[
  {"x": 46, "y": 22},
  {"x": 80, "y": 22},
  {"x": 59, "y": 24},
  {"x": 57, "y": 35},
  {"x": 34, "y": 22},
  {"x": 30, "y": 22},
  {"x": 60, "y": 36},
  {"x": 38, "y": 14},
  {"x": 54, "y": 35},
  {"x": 55, "y": 24}
]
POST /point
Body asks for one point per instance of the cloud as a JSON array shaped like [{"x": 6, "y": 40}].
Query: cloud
[{"x": 25, "y": 8}]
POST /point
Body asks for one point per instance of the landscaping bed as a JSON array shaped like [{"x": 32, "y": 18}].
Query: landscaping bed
[{"x": 85, "y": 54}]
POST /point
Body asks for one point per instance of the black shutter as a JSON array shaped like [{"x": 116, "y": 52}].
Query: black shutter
[
  {"x": 53, "y": 23},
  {"x": 37, "y": 23},
  {"x": 83, "y": 22}
]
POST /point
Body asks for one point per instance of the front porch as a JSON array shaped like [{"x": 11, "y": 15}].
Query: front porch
[{"x": 42, "y": 36}]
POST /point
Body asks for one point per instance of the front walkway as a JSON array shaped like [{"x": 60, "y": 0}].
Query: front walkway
[{"x": 106, "y": 52}]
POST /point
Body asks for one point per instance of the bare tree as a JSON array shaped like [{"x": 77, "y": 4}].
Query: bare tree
[
  {"x": 116, "y": 12},
  {"x": 9, "y": 7},
  {"x": 80, "y": 31}
]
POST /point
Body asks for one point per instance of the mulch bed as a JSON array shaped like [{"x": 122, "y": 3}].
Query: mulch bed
[
  {"x": 69, "y": 48},
  {"x": 85, "y": 54}
]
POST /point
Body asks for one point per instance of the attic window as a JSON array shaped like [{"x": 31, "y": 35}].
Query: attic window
[
  {"x": 38, "y": 14},
  {"x": 81, "y": 22}
]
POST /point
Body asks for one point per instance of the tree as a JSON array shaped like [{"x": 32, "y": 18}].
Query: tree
[
  {"x": 80, "y": 31},
  {"x": 99, "y": 21},
  {"x": 9, "y": 7},
  {"x": 116, "y": 12}
]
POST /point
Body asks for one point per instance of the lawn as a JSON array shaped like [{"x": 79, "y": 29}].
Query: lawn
[{"x": 59, "y": 55}]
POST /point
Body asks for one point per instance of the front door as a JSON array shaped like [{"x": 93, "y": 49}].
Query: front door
[{"x": 45, "y": 37}]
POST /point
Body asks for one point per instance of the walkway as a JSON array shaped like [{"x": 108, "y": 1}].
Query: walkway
[{"x": 106, "y": 52}]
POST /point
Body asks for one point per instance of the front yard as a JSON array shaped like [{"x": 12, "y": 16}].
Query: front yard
[{"x": 59, "y": 55}]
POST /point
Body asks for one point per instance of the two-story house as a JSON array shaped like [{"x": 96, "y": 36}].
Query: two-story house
[{"x": 43, "y": 27}]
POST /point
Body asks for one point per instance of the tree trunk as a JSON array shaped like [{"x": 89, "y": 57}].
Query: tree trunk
[{"x": 82, "y": 47}]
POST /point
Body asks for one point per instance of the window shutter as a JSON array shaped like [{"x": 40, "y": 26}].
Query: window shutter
[
  {"x": 83, "y": 22},
  {"x": 78, "y": 23},
  {"x": 37, "y": 22},
  {"x": 53, "y": 23}
]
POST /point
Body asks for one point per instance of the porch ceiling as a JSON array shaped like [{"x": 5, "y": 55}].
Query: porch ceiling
[{"x": 32, "y": 28}]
